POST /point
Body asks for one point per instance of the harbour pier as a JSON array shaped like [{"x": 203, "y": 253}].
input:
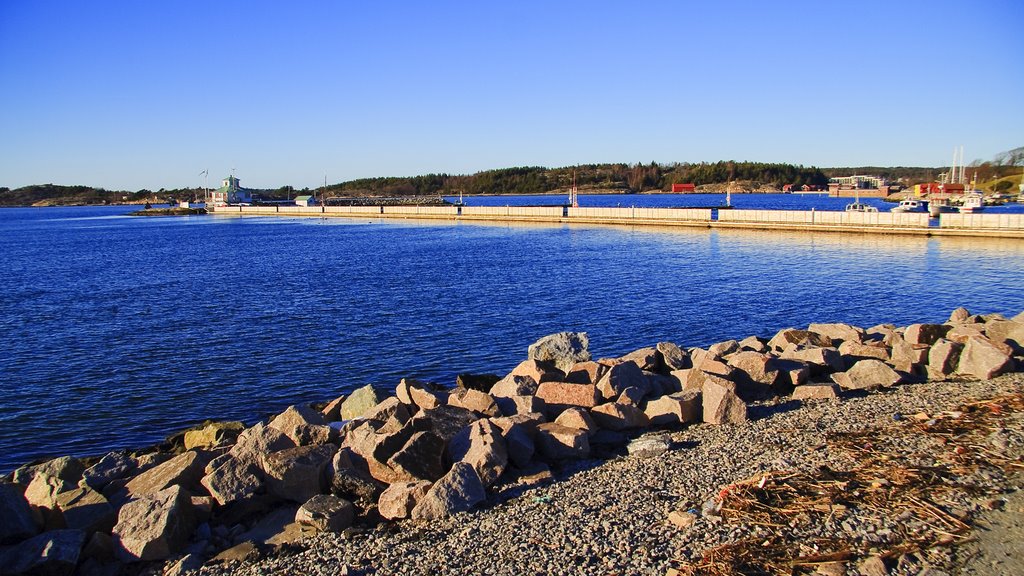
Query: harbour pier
[{"x": 912, "y": 224}]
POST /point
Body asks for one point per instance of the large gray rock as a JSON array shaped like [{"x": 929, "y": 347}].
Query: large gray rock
[
  {"x": 299, "y": 473},
  {"x": 457, "y": 491},
  {"x": 155, "y": 526},
  {"x": 16, "y": 522},
  {"x": 720, "y": 402},
  {"x": 983, "y": 359},
  {"x": 562, "y": 349},
  {"x": 54, "y": 553},
  {"x": 869, "y": 374},
  {"x": 360, "y": 402},
  {"x": 399, "y": 500},
  {"x": 234, "y": 480},
  {"x": 326, "y": 513},
  {"x": 482, "y": 446},
  {"x": 556, "y": 442},
  {"x": 184, "y": 470}
]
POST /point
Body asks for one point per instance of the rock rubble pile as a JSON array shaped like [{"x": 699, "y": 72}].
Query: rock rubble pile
[{"x": 426, "y": 453}]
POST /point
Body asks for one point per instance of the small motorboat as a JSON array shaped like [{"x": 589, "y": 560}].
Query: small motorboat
[
  {"x": 858, "y": 207},
  {"x": 911, "y": 206}
]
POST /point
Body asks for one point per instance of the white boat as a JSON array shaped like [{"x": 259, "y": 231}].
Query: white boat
[
  {"x": 858, "y": 207},
  {"x": 973, "y": 202},
  {"x": 911, "y": 206}
]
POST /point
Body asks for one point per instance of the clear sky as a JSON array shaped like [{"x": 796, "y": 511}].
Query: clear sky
[{"x": 130, "y": 95}]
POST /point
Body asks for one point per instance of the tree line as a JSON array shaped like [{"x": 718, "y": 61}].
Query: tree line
[{"x": 618, "y": 177}]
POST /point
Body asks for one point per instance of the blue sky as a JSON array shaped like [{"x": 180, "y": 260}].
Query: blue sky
[{"x": 130, "y": 95}]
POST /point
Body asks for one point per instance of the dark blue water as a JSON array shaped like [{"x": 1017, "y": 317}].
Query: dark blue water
[{"x": 117, "y": 331}]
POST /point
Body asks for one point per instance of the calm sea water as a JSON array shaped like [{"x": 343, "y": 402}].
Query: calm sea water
[{"x": 118, "y": 331}]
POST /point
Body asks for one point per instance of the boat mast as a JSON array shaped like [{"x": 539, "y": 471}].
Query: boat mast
[{"x": 573, "y": 198}]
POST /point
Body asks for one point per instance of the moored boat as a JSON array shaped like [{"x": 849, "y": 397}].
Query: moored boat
[
  {"x": 973, "y": 202},
  {"x": 911, "y": 206}
]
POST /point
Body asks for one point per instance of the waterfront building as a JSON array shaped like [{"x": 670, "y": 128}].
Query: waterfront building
[
  {"x": 306, "y": 200},
  {"x": 230, "y": 192}
]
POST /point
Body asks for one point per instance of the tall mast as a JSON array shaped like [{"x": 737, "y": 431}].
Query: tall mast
[
  {"x": 963, "y": 178},
  {"x": 573, "y": 199}
]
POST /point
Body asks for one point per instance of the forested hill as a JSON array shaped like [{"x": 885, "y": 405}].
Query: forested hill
[{"x": 620, "y": 177}]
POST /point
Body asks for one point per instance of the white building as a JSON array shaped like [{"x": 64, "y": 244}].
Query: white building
[{"x": 230, "y": 193}]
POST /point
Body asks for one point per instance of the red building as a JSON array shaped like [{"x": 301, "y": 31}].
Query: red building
[{"x": 683, "y": 188}]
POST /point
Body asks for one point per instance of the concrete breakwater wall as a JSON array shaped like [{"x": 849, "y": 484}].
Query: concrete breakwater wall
[
  {"x": 983, "y": 225},
  {"x": 423, "y": 452}
]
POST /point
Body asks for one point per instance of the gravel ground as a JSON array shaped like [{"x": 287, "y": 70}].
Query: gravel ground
[{"x": 610, "y": 516}]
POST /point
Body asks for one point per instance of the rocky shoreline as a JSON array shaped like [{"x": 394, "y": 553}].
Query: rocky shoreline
[{"x": 663, "y": 461}]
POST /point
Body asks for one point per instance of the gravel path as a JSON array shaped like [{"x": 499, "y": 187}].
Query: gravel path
[{"x": 610, "y": 516}]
